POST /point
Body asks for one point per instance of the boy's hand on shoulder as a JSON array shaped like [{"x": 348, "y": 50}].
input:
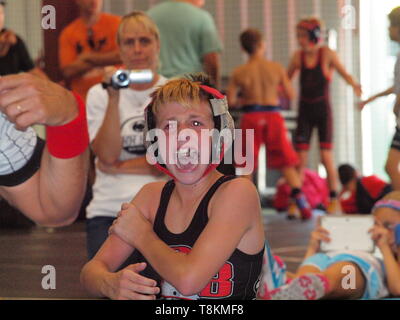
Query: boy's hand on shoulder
[{"x": 130, "y": 225}]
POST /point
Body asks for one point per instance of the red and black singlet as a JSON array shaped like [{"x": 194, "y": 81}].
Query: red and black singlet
[
  {"x": 314, "y": 108},
  {"x": 237, "y": 279}
]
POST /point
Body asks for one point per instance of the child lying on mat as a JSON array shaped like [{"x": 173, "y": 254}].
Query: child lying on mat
[{"x": 323, "y": 275}]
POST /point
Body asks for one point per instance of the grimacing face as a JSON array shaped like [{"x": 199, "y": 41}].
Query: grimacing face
[{"x": 174, "y": 120}]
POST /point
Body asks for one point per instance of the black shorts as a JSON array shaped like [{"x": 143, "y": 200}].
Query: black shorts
[
  {"x": 314, "y": 115},
  {"x": 396, "y": 140}
]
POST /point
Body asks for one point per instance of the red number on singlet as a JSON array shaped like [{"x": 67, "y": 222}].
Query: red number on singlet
[{"x": 221, "y": 285}]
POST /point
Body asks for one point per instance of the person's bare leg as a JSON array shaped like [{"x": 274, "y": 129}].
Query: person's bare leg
[
  {"x": 332, "y": 179},
  {"x": 298, "y": 199},
  {"x": 392, "y": 168},
  {"x": 292, "y": 177},
  {"x": 331, "y": 172},
  {"x": 303, "y": 163}
]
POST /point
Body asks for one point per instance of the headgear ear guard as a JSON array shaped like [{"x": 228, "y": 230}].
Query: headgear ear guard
[
  {"x": 222, "y": 121},
  {"x": 313, "y": 27}
]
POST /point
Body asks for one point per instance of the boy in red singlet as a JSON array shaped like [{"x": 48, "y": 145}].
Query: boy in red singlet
[
  {"x": 259, "y": 82},
  {"x": 316, "y": 64},
  {"x": 200, "y": 234}
]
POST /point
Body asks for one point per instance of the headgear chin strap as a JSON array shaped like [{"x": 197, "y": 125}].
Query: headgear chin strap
[
  {"x": 392, "y": 204},
  {"x": 222, "y": 119}
]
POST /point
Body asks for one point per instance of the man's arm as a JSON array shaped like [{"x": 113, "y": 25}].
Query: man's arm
[
  {"x": 98, "y": 59},
  {"x": 52, "y": 196},
  {"x": 212, "y": 67},
  {"x": 137, "y": 165},
  {"x": 87, "y": 61},
  {"x": 76, "y": 69}
]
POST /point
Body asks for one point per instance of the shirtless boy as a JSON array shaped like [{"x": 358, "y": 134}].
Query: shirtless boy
[{"x": 259, "y": 82}]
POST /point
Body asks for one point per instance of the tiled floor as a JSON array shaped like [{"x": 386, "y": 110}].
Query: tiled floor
[{"x": 24, "y": 252}]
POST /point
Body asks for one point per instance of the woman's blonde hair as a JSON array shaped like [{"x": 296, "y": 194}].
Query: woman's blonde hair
[{"x": 143, "y": 20}]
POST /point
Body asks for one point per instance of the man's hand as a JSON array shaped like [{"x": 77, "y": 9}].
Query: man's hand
[
  {"x": 27, "y": 100},
  {"x": 128, "y": 284},
  {"x": 130, "y": 225}
]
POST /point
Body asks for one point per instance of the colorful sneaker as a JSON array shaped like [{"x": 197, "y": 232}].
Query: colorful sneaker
[
  {"x": 304, "y": 207},
  {"x": 306, "y": 287}
]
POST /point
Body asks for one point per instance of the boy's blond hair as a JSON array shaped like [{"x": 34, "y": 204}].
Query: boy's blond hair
[
  {"x": 141, "y": 19},
  {"x": 185, "y": 91}
]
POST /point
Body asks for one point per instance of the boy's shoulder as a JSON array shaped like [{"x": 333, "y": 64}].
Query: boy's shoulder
[
  {"x": 153, "y": 188},
  {"x": 249, "y": 67},
  {"x": 236, "y": 190},
  {"x": 148, "y": 198}
]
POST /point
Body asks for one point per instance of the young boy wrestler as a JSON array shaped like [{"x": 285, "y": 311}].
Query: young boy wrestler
[
  {"x": 316, "y": 64},
  {"x": 321, "y": 274},
  {"x": 259, "y": 82},
  {"x": 200, "y": 235}
]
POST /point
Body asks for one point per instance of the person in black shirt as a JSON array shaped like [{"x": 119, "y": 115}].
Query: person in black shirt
[{"x": 14, "y": 56}]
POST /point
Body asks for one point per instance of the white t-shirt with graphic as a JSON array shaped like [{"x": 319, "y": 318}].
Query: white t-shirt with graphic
[{"x": 111, "y": 190}]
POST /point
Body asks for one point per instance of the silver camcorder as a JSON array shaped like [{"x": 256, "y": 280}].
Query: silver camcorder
[{"x": 123, "y": 78}]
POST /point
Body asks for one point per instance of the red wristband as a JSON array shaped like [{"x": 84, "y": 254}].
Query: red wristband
[{"x": 71, "y": 139}]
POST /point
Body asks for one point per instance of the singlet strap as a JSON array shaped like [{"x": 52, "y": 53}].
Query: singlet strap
[
  {"x": 206, "y": 199},
  {"x": 200, "y": 215},
  {"x": 164, "y": 200},
  {"x": 318, "y": 63}
]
